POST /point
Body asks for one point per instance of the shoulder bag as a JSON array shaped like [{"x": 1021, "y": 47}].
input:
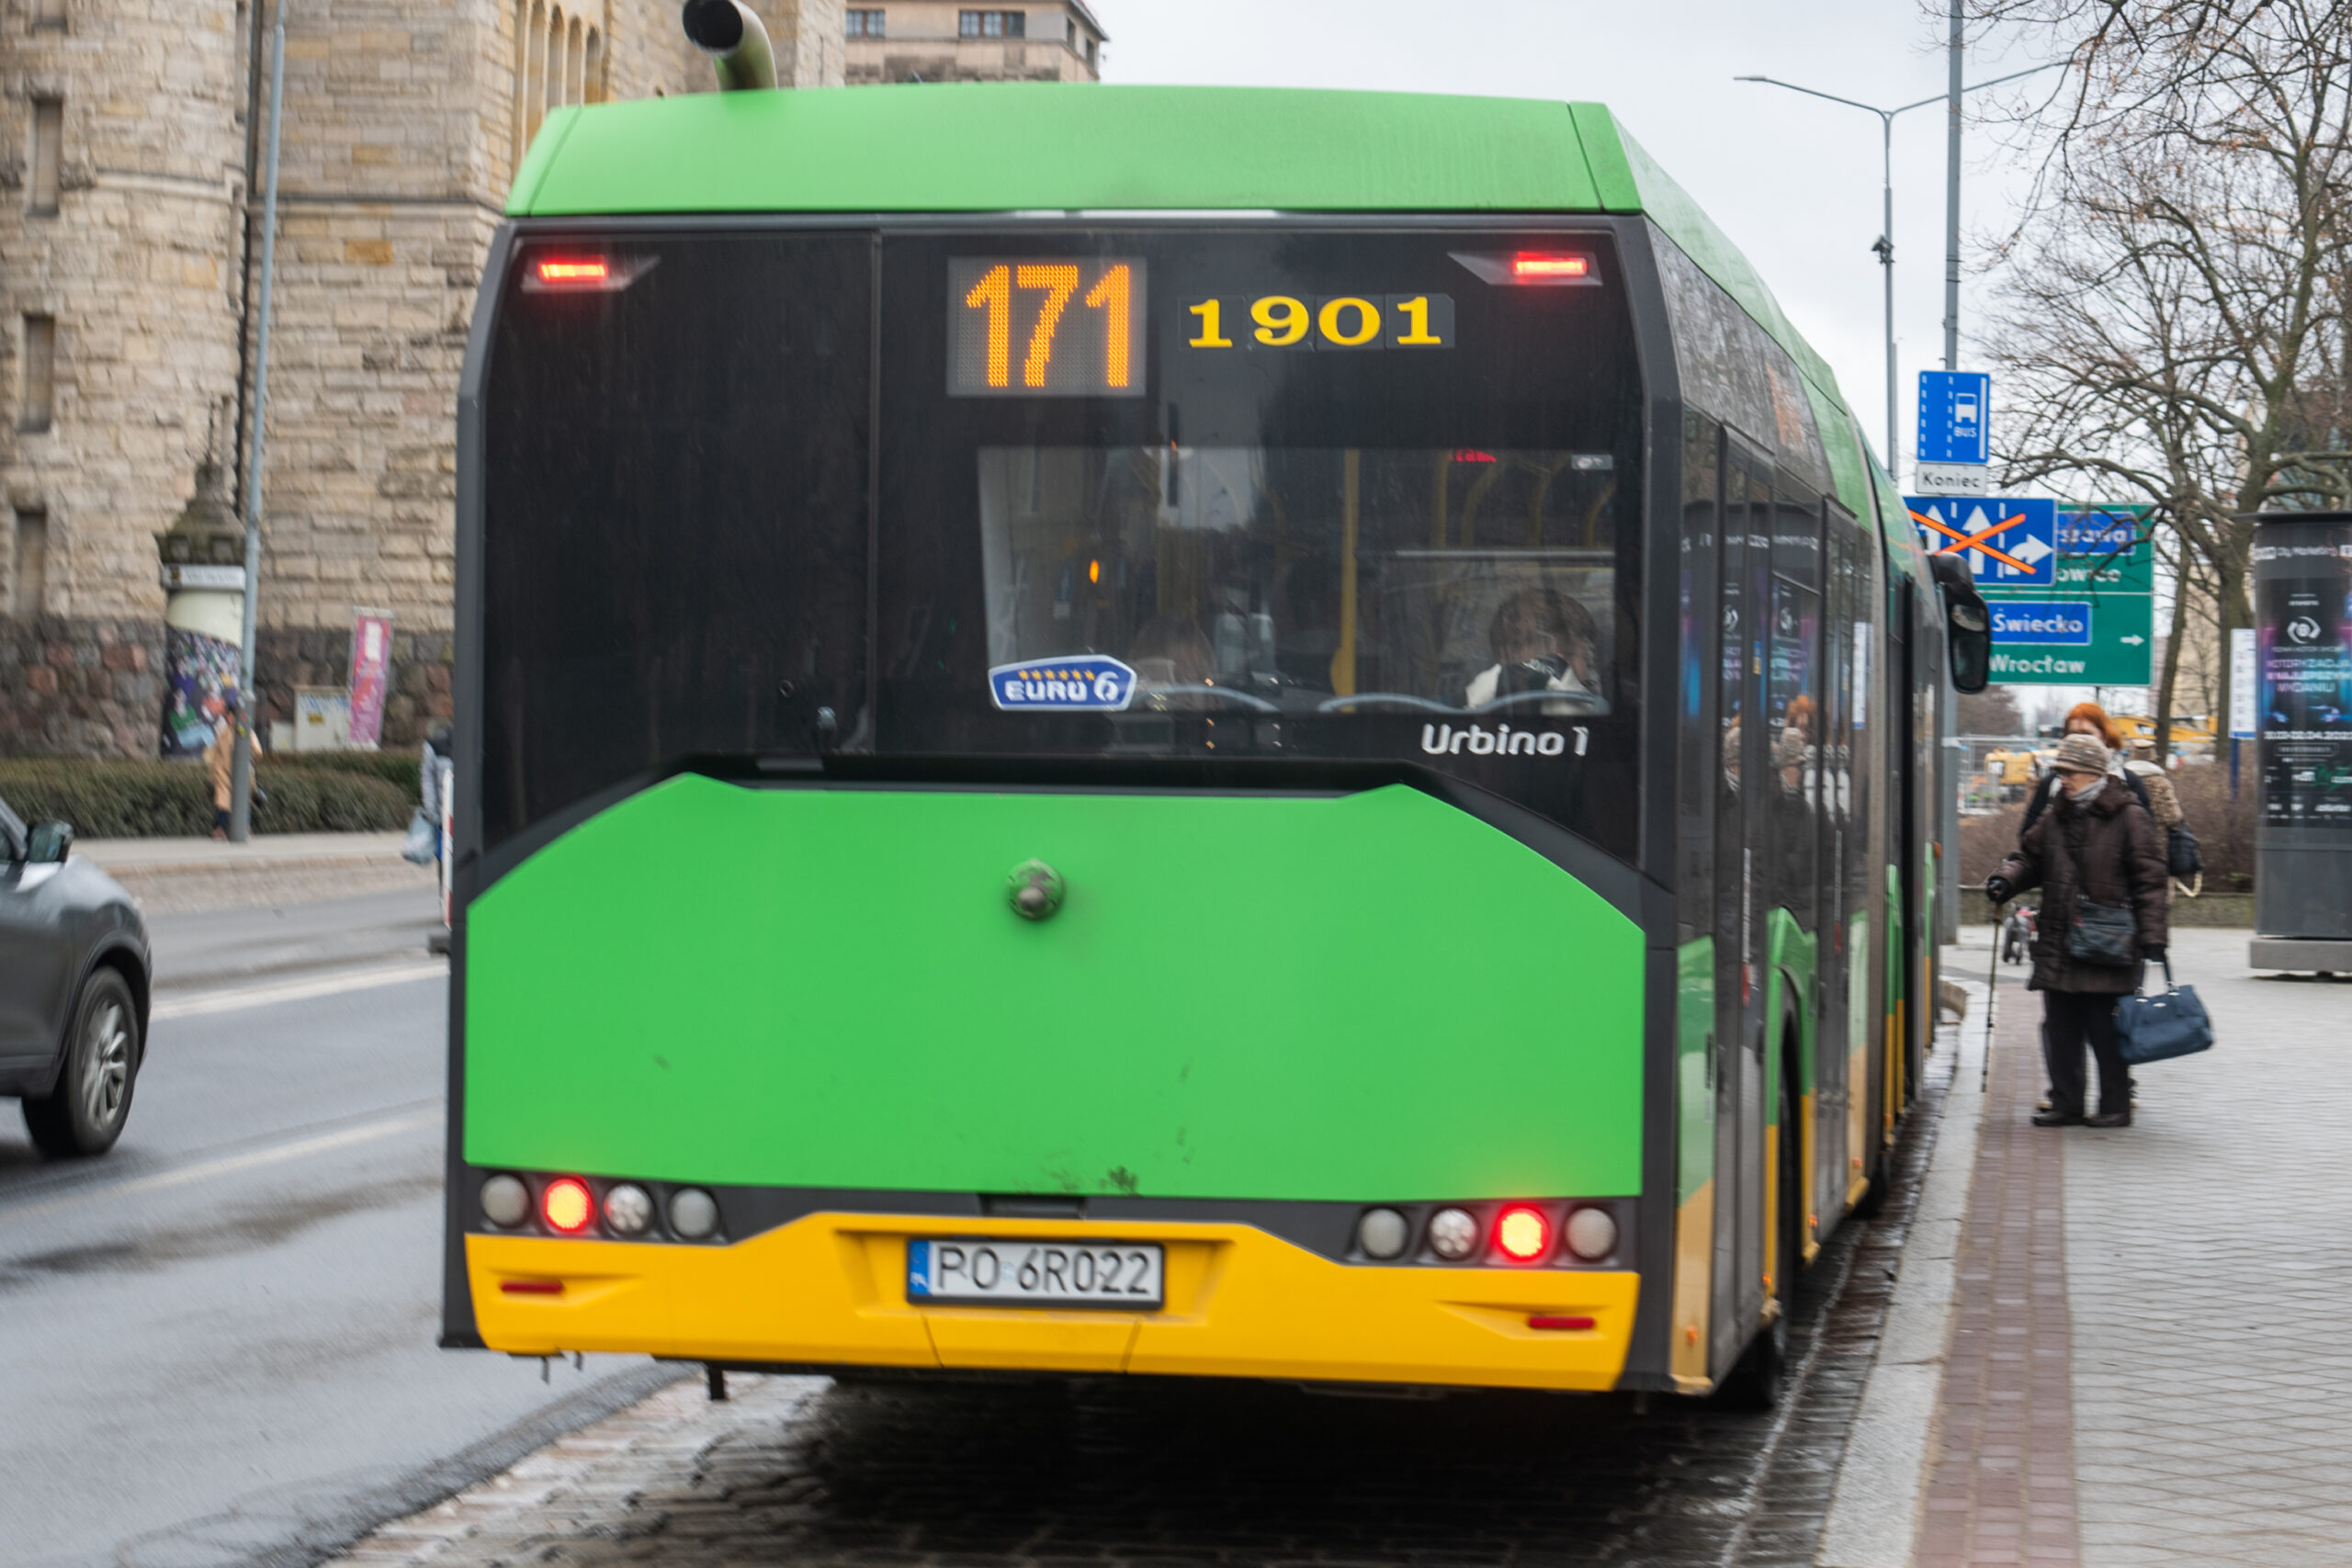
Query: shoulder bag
[
  {"x": 2101, "y": 934},
  {"x": 2153, "y": 1028}
]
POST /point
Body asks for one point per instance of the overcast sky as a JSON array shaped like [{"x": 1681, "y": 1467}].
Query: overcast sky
[{"x": 1793, "y": 180}]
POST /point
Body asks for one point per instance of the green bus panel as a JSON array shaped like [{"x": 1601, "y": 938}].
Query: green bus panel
[
  {"x": 1009, "y": 147},
  {"x": 1361, "y": 996}
]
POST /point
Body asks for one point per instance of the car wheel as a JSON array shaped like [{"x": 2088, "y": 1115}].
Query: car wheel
[{"x": 84, "y": 1113}]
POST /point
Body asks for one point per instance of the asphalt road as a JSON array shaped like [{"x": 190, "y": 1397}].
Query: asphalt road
[{"x": 219, "y": 1337}]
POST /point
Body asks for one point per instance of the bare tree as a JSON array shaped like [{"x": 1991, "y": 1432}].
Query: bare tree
[{"x": 2175, "y": 311}]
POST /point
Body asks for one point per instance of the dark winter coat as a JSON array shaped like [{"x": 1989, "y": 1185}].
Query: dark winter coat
[{"x": 2107, "y": 848}]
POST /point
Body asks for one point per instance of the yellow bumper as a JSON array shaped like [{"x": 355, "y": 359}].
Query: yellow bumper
[{"x": 830, "y": 1288}]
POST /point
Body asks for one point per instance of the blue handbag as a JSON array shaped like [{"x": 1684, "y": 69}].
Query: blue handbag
[{"x": 2152, "y": 1029}]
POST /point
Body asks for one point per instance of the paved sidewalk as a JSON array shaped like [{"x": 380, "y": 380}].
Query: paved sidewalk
[
  {"x": 174, "y": 876},
  {"x": 2149, "y": 1363}
]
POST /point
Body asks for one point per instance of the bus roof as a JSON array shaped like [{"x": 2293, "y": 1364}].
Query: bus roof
[{"x": 1033, "y": 146}]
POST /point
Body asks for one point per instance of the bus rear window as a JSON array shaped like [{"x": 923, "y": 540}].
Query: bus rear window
[{"x": 1452, "y": 582}]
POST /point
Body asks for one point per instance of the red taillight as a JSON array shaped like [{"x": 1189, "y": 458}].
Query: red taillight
[
  {"x": 1472, "y": 454},
  {"x": 1532, "y": 265},
  {"x": 567, "y": 1205},
  {"x": 1522, "y": 1232},
  {"x": 1548, "y": 1320},
  {"x": 531, "y": 1287},
  {"x": 581, "y": 272}
]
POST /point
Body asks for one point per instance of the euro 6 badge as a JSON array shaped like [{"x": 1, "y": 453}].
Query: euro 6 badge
[{"x": 1082, "y": 682}]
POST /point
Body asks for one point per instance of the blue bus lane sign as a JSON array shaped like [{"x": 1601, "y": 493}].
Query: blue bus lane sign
[{"x": 1955, "y": 416}]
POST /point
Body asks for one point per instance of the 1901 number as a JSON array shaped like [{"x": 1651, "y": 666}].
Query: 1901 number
[{"x": 1331, "y": 321}]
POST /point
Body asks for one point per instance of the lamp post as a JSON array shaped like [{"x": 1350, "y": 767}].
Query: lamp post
[
  {"x": 240, "y": 779},
  {"x": 1884, "y": 246}
]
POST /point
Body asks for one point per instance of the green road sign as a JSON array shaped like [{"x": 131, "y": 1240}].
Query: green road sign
[{"x": 2096, "y": 625}]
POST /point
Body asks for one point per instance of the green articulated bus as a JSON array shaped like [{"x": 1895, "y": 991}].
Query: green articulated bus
[{"x": 1189, "y": 731}]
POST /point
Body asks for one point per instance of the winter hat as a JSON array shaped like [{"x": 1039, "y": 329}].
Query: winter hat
[{"x": 2081, "y": 754}]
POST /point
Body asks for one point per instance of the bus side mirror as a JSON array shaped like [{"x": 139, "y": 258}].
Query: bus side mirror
[
  {"x": 1968, "y": 636},
  {"x": 1968, "y": 625}
]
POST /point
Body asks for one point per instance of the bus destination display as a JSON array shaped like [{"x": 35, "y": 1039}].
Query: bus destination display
[{"x": 1045, "y": 326}]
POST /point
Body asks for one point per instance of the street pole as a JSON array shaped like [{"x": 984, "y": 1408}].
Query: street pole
[
  {"x": 1884, "y": 246},
  {"x": 1947, "y": 817},
  {"x": 1885, "y": 249},
  {"x": 1952, "y": 192},
  {"x": 240, "y": 782}
]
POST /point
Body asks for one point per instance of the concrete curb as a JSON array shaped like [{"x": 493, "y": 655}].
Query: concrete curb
[
  {"x": 274, "y": 851},
  {"x": 1881, "y": 1484}
]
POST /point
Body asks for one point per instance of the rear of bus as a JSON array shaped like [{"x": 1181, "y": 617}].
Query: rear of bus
[{"x": 1058, "y": 792}]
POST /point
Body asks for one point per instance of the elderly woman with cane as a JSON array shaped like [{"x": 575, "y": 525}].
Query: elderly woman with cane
[{"x": 2099, "y": 862}]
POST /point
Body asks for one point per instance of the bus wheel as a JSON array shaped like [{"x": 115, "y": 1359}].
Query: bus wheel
[{"x": 1756, "y": 1379}]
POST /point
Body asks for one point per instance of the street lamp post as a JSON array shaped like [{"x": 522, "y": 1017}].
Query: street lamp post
[
  {"x": 241, "y": 781},
  {"x": 1884, "y": 246}
]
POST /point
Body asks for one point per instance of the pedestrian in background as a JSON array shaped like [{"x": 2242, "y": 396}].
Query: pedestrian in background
[
  {"x": 2164, "y": 805},
  {"x": 428, "y": 779},
  {"x": 220, "y": 761},
  {"x": 2099, "y": 862}
]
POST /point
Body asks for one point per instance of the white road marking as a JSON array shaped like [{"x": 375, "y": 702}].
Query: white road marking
[
  {"x": 236, "y": 997},
  {"x": 229, "y": 1165}
]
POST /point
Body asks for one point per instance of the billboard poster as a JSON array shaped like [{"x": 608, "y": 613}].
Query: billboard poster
[
  {"x": 2303, "y": 654},
  {"x": 371, "y": 670}
]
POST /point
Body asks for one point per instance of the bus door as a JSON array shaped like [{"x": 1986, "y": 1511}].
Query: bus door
[
  {"x": 1742, "y": 882},
  {"x": 1905, "y": 762},
  {"x": 1794, "y": 696}
]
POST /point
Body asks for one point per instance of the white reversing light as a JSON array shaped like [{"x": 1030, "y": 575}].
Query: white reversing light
[
  {"x": 1454, "y": 1233},
  {"x": 628, "y": 1209},
  {"x": 1593, "y": 1235}
]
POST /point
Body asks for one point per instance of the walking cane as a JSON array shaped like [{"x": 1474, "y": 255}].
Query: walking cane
[{"x": 1992, "y": 1004}]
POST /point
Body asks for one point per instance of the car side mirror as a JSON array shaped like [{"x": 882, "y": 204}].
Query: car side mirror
[{"x": 48, "y": 843}]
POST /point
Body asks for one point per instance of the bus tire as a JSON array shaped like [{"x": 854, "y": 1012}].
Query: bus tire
[{"x": 84, "y": 1113}]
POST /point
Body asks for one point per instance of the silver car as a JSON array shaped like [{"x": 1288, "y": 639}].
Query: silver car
[{"x": 74, "y": 985}]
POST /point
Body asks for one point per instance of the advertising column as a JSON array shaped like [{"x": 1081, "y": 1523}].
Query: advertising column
[{"x": 2303, "y": 623}]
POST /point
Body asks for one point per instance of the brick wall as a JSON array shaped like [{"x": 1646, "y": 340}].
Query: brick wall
[{"x": 81, "y": 688}]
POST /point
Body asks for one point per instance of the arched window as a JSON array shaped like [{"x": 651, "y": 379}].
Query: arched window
[{"x": 558, "y": 60}]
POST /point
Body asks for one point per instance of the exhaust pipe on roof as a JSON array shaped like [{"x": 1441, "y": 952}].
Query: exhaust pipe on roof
[{"x": 738, "y": 46}]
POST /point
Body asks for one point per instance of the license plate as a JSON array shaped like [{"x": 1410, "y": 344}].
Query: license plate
[{"x": 978, "y": 1271}]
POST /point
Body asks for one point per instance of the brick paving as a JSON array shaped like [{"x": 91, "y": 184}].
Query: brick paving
[
  {"x": 2149, "y": 1366},
  {"x": 2001, "y": 1486},
  {"x": 2209, "y": 1274},
  {"x": 1157, "y": 1473}
]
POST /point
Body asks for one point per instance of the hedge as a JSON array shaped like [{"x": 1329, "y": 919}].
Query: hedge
[
  {"x": 137, "y": 800},
  {"x": 392, "y": 767}
]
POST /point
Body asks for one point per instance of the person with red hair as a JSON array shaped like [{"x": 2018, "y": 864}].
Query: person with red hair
[{"x": 2086, "y": 718}]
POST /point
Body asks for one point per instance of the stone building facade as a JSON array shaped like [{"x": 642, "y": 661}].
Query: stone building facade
[
  {"x": 129, "y": 251},
  {"x": 945, "y": 40}
]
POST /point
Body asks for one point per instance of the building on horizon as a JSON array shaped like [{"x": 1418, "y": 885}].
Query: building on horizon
[{"x": 940, "y": 40}]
